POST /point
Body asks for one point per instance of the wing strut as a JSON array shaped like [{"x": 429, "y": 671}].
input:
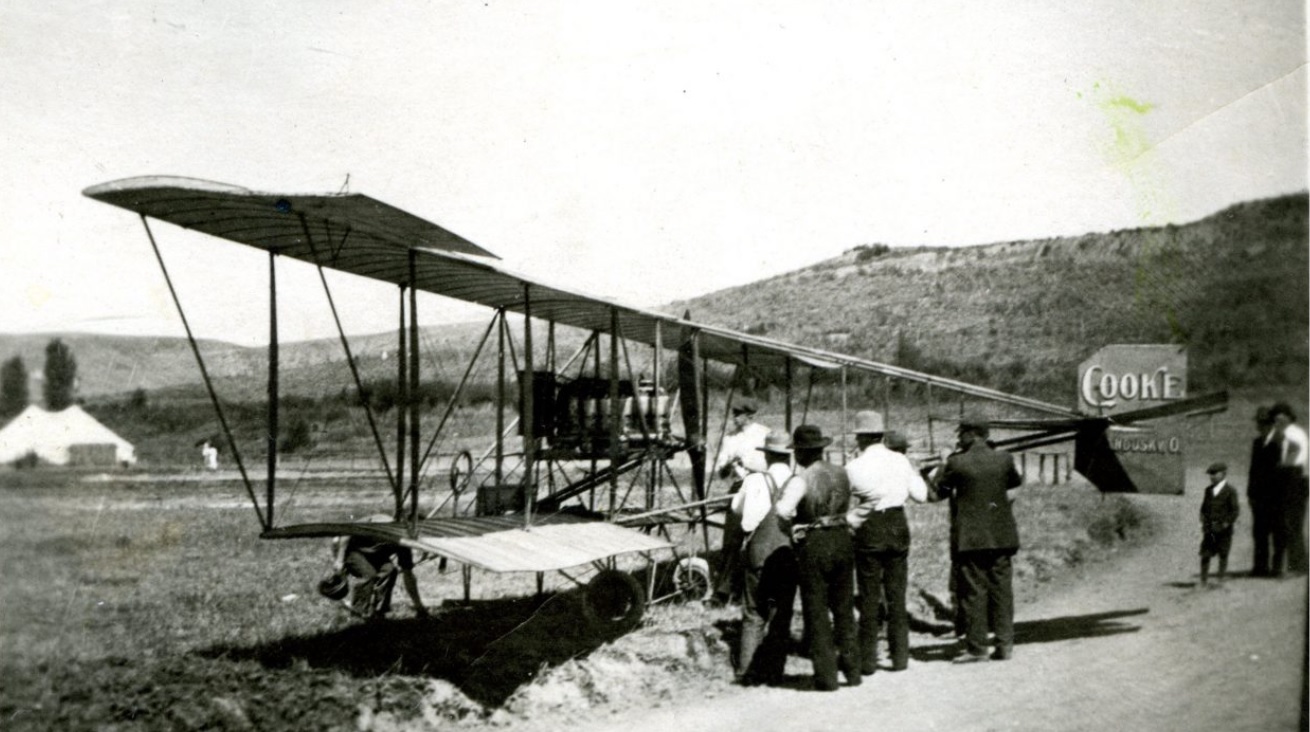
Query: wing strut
[
  {"x": 413, "y": 395},
  {"x": 271, "y": 479},
  {"x": 345, "y": 345},
  {"x": 204, "y": 373}
]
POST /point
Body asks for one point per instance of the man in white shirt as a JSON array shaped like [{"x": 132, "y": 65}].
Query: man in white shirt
[
  {"x": 881, "y": 482},
  {"x": 1292, "y": 474},
  {"x": 739, "y": 456},
  {"x": 770, "y": 564}
]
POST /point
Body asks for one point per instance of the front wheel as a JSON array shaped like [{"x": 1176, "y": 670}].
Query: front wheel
[
  {"x": 692, "y": 578},
  {"x": 613, "y": 601}
]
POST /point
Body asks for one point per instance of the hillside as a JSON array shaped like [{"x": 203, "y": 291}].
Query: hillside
[
  {"x": 109, "y": 365},
  {"x": 1021, "y": 315},
  {"x": 1018, "y": 316}
]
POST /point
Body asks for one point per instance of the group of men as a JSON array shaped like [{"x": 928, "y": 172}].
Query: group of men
[
  {"x": 1277, "y": 490},
  {"x": 828, "y": 530}
]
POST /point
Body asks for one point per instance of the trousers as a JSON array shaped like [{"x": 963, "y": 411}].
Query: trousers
[
  {"x": 883, "y": 577},
  {"x": 766, "y": 612},
  {"x": 826, "y": 560},
  {"x": 987, "y": 598}
]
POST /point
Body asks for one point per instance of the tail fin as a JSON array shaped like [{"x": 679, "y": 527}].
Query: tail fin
[{"x": 1122, "y": 460}]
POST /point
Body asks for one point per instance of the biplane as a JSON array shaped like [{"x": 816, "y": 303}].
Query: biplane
[{"x": 581, "y": 475}]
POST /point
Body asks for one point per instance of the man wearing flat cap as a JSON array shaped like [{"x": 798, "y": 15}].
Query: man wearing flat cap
[
  {"x": 1219, "y": 509},
  {"x": 881, "y": 482},
  {"x": 984, "y": 538},
  {"x": 770, "y": 564},
  {"x": 826, "y": 559},
  {"x": 739, "y": 456}
]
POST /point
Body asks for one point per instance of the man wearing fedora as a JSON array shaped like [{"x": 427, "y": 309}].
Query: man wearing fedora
[
  {"x": 770, "y": 564},
  {"x": 826, "y": 559},
  {"x": 1261, "y": 493},
  {"x": 881, "y": 481},
  {"x": 739, "y": 456},
  {"x": 984, "y": 537}
]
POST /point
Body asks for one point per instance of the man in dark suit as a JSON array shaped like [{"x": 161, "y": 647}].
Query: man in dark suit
[
  {"x": 984, "y": 537},
  {"x": 1262, "y": 495}
]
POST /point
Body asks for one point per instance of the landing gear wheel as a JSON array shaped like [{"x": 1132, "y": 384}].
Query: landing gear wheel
[
  {"x": 613, "y": 601},
  {"x": 692, "y": 578}
]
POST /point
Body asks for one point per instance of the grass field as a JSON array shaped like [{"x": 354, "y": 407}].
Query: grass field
[{"x": 134, "y": 606}]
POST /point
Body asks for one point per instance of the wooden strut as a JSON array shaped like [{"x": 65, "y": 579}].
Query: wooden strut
[
  {"x": 350, "y": 357},
  {"x": 500, "y": 399},
  {"x": 844, "y": 427},
  {"x": 454, "y": 397},
  {"x": 402, "y": 383},
  {"x": 527, "y": 417},
  {"x": 616, "y": 409},
  {"x": 271, "y": 481},
  {"x": 595, "y": 339},
  {"x": 413, "y": 407},
  {"x": 204, "y": 374},
  {"x": 787, "y": 370}
]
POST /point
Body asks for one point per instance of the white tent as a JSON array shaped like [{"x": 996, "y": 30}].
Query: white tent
[{"x": 62, "y": 437}]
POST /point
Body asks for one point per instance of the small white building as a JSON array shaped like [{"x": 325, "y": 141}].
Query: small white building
[{"x": 67, "y": 437}]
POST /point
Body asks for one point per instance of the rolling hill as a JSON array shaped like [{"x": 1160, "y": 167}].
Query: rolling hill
[{"x": 1022, "y": 315}]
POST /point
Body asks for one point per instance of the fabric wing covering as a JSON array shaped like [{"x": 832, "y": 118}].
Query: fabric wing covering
[
  {"x": 499, "y": 544},
  {"x": 356, "y": 234}
]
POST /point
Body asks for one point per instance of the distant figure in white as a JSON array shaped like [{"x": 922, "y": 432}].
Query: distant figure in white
[{"x": 210, "y": 455}]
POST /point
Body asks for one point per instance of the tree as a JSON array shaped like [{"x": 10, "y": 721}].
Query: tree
[
  {"x": 14, "y": 395},
  {"x": 60, "y": 375}
]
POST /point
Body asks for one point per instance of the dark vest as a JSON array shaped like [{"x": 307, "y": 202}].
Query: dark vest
[
  {"x": 827, "y": 492},
  {"x": 771, "y": 535}
]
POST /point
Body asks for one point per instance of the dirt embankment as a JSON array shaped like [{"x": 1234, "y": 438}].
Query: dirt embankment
[
  {"x": 1131, "y": 644},
  {"x": 1128, "y": 643}
]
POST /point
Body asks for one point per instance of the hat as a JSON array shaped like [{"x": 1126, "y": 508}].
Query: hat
[
  {"x": 745, "y": 406},
  {"x": 776, "y": 442},
  {"x": 1282, "y": 408},
  {"x": 895, "y": 441},
  {"x": 869, "y": 422},
  {"x": 974, "y": 422},
  {"x": 809, "y": 436},
  {"x": 1217, "y": 468}
]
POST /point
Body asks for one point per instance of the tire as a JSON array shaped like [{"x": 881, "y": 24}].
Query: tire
[
  {"x": 692, "y": 578},
  {"x": 613, "y": 601}
]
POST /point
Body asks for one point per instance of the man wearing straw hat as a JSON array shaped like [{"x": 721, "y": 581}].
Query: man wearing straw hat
[
  {"x": 770, "y": 565},
  {"x": 881, "y": 481},
  {"x": 984, "y": 538},
  {"x": 826, "y": 559}
]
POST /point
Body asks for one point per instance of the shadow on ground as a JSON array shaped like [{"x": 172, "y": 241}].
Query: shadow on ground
[
  {"x": 1050, "y": 630},
  {"x": 487, "y": 648}
]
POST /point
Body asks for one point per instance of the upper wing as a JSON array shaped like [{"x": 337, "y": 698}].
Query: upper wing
[
  {"x": 356, "y": 234},
  {"x": 273, "y": 221}
]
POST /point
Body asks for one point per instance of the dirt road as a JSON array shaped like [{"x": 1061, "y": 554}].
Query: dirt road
[{"x": 1130, "y": 645}]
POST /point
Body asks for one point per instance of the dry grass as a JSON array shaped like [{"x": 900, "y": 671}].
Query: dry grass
[{"x": 127, "y": 605}]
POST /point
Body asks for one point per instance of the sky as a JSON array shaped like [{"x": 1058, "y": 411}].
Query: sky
[{"x": 644, "y": 152}]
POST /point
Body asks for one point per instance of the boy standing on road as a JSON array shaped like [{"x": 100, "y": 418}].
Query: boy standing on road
[{"x": 1219, "y": 509}]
